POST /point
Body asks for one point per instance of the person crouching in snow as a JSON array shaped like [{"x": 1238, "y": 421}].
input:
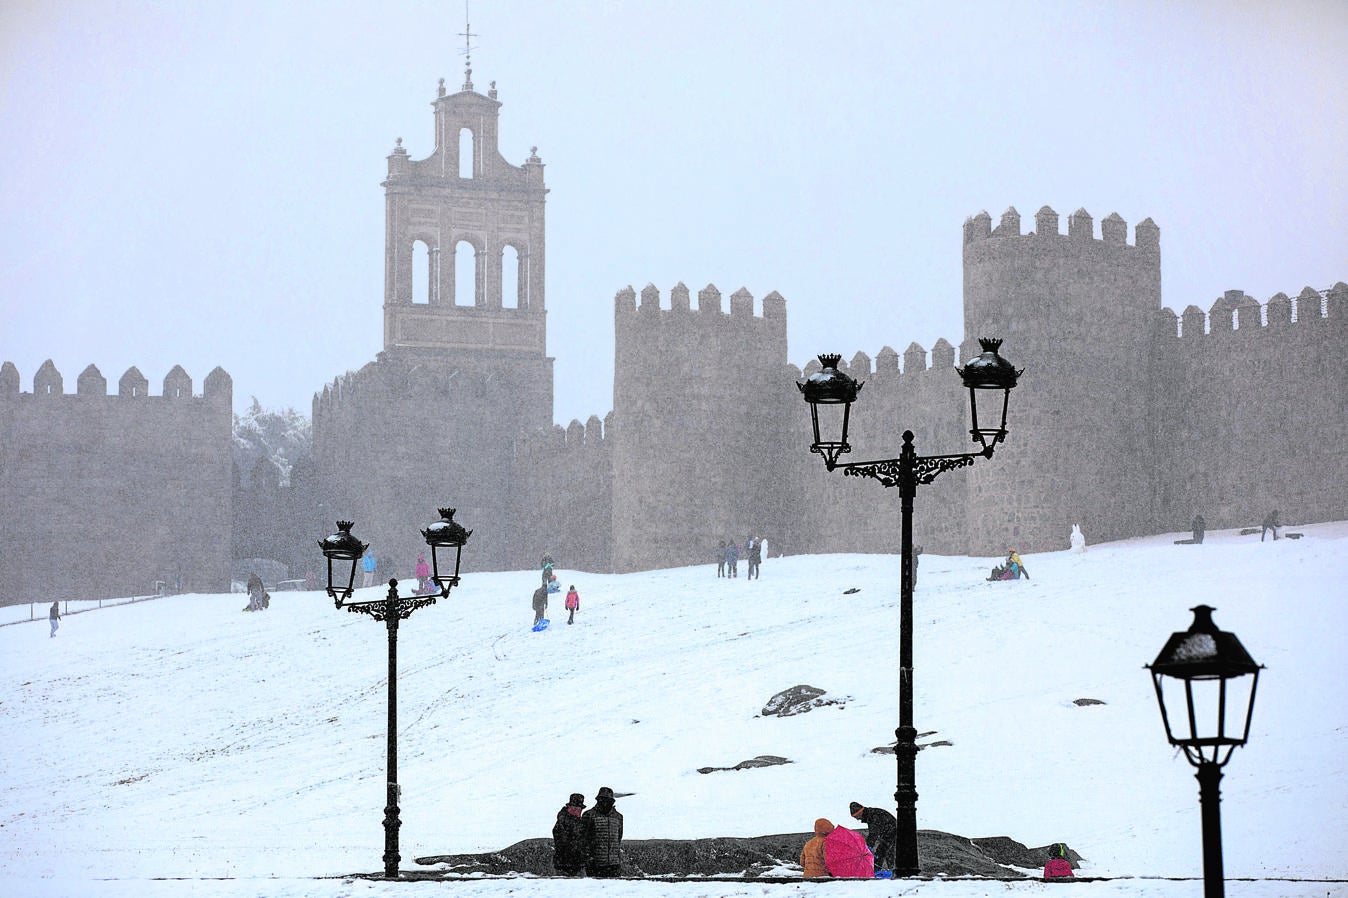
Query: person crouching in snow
[
  {"x": 882, "y": 833},
  {"x": 812, "y": 855},
  {"x": 1058, "y": 865},
  {"x": 846, "y": 854},
  {"x": 572, "y": 604}
]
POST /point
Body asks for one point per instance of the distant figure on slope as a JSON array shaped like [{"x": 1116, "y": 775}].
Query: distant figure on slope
[
  {"x": 732, "y": 560},
  {"x": 1199, "y": 526},
  {"x": 882, "y": 833},
  {"x": 572, "y": 604},
  {"x": 846, "y": 854},
  {"x": 256, "y": 593},
  {"x": 1011, "y": 569},
  {"x": 547, "y": 565},
  {"x": 368, "y": 566},
  {"x": 812, "y": 864},
  {"x": 568, "y": 840},
  {"x": 602, "y": 826},
  {"x": 1058, "y": 865},
  {"x": 55, "y": 616},
  {"x": 1270, "y": 523},
  {"x": 1078, "y": 539},
  {"x": 540, "y": 603},
  {"x": 755, "y": 557},
  {"x": 423, "y": 575},
  {"x": 720, "y": 560}
]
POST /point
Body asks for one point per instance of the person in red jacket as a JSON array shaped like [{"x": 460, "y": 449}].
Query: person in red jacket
[
  {"x": 572, "y": 604},
  {"x": 1058, "y": 865}
]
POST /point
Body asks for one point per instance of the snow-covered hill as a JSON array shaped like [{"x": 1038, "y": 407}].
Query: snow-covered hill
[{"x": 183, "y": 738}]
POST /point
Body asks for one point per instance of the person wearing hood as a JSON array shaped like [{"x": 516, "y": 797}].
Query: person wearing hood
[
  {"x": 568, "y": 842},
  {"x": 602, "y": 826},
  {"x": 812, "y": 855},
  {"x": 1058, "y": 865},
  {"x": 882, "y": 832}
]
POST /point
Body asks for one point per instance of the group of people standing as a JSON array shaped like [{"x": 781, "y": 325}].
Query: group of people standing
[
  {"x": 588, "y": 843},
  {"x": 729, "y": 553}
]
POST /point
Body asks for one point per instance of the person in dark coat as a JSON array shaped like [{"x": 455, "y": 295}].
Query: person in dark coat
[
  {"x": 255, "y": 593},
  {"x": 755, "y": 557},
  {"x": 720, "y": 560},
  {"x": 540, "y": 603},
  {"x": 732, "y": 560},
  {"x": 1200, "y": 526},
  {"x": 882, "y": 832},
  {"x": 1270, "y": 523},
  {"x": 602, "y": 826},
  {"x": 568, "y": 841}
]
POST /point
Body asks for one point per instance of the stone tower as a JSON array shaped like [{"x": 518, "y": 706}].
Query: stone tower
[
  {"x": 1077, "y": 312},
  {"x": 464, "y": 378},
  {"x": 699, "y": 442}
]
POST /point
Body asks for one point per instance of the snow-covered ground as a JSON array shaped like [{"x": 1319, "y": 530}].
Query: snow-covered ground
[{"x": 179, "y": 747}]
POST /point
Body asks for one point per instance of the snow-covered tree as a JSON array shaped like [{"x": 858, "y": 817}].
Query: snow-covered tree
[{"x": 283, "y": 437}]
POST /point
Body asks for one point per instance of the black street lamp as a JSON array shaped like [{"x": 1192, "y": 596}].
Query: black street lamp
[
  {"x": 1207, "y": 712},
  {"x": 344, "y": 549},
  {"x": 830, "y": 393}
]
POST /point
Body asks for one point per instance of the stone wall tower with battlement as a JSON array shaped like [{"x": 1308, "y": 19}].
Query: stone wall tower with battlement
[
  {"x": 699, "y": 440},
  {"x": 1078, "y": 313},
  {"x": 443, "y": 413}
]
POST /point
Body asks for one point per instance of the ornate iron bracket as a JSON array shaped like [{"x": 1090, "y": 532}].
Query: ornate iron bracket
[
  {"x": 402, "y": 607},
  {"x": 925, "y": 468}
]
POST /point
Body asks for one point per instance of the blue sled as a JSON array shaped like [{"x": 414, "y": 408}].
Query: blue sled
[{"x": 541, "y": 625}]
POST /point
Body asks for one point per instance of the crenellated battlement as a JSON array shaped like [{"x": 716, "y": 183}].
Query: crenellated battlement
[
  {"x": 48, "y": 382},
  {"x": 577, "y": 437},
  {"x": 1080, "y": 229},
  {"x": 709, "y": 302},
  {"x": 1235, "y": 312},
  {"x": 886, "y": 363}
]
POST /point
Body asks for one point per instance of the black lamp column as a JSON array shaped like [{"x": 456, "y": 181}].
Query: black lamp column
[
  {"x": 831, "y": 393},
  {"x": 344, "y": 548},
  {"x": 1201, "y": 671}
]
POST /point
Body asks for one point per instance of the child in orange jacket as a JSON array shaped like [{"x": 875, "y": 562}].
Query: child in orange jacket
[{"x": 812, "y": 855}]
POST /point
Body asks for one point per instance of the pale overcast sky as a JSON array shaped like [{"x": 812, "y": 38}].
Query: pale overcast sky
[{"x": 198, "y": 183}]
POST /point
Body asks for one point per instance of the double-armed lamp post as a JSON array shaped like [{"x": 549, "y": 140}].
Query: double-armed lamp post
[
  {"x": 830, "y": 393},
  {"x": 343, "y": 551},
  {"x": 1205, "y": 684}
]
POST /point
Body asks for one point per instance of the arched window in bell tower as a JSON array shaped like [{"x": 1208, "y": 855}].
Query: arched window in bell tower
[
  {"x": 465, "y": 153},
  {"x": 510, "y": 278},
  {"x": 423, "y": 272},
  {"x": 465, "y": 274}
]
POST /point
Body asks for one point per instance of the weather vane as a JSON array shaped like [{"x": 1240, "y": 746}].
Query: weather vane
[{"x": 467, "y": 51}]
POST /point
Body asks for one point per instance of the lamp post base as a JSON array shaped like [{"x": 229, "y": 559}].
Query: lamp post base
[{"x": 905, "y": 799}]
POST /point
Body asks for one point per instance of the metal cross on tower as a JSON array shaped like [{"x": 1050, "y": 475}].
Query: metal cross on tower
[{"x": 467, "y": 51}]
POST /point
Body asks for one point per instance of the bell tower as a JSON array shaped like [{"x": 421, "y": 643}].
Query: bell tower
[
  {"x": 462, "y": 388},
  {"x": 476, "y": 223}
]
